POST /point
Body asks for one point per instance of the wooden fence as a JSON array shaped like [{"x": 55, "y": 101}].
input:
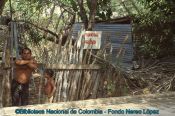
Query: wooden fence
[{"x": 79, "y": 74}]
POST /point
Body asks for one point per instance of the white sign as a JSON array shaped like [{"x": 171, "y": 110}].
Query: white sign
[{"x": 90, "y": 40}]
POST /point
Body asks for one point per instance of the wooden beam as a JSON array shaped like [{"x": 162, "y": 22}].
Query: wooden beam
[
  {"x": 67, "y": 66},
  {"x": 73, "y": 66}
]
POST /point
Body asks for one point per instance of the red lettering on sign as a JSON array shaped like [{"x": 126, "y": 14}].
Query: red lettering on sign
[
  {"x": 90, "y": 42},
  {"x": 91, "y": 34}
]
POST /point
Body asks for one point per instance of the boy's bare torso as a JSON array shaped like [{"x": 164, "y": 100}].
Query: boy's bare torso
[{"x": 49, "y": 87}]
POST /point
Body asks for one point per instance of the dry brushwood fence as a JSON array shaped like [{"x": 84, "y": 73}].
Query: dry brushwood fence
[{"x": 156, "y": 77}]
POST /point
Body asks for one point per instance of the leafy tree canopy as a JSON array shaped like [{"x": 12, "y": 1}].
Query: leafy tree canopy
[{"x": 153, "y": 20}]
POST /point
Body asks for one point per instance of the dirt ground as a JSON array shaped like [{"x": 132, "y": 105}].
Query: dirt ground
[{"x": 155, "y": 105}]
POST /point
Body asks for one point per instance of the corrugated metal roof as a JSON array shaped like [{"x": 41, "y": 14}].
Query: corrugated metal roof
[{"x": 116, "y": 33}]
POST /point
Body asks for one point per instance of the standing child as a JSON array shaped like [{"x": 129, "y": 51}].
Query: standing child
[{"x": 49, "y": 87}]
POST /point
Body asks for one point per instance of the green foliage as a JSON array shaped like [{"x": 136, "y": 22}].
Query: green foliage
[
  {"x": 35, "y": 36},
  {"x": 156, "y": 27},
  {"x": 148, "y": 48},
  {"x": 74, "y": 5},
  {"x": 153, "y": 20},
  {"x": 104, "y": 10}
]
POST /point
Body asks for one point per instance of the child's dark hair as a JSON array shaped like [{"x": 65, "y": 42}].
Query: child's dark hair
[{"x": 50, "y": 72}]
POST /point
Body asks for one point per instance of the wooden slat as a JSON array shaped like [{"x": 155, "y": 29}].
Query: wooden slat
[
  {"x": 73, "y": 66},
  {"x": 70, "y": 66}
]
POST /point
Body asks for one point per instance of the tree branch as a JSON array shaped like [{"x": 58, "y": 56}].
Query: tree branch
[
  {"x": 50, "y": 19},
  {"x": 63, "y": 6},
  {"x": 43, "y": 29},
  {"x": 2, "y": 4},
  {"x": 82, "y": 13}
]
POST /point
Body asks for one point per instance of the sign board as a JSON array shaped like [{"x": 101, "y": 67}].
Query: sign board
[{"x": 89, "y": 40}]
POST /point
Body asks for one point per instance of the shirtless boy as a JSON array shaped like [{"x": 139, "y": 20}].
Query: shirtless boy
[
  {"x": 49, "y": 87},
  {"x": 20, "y": 83}
]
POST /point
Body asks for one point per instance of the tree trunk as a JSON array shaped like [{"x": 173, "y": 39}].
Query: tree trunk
[
  {"x": 2, "y": 4},
  {"x": 93, "y": 9},
  {"x": 82, "y": 13},
  {"x": 49, "y": 20}
]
